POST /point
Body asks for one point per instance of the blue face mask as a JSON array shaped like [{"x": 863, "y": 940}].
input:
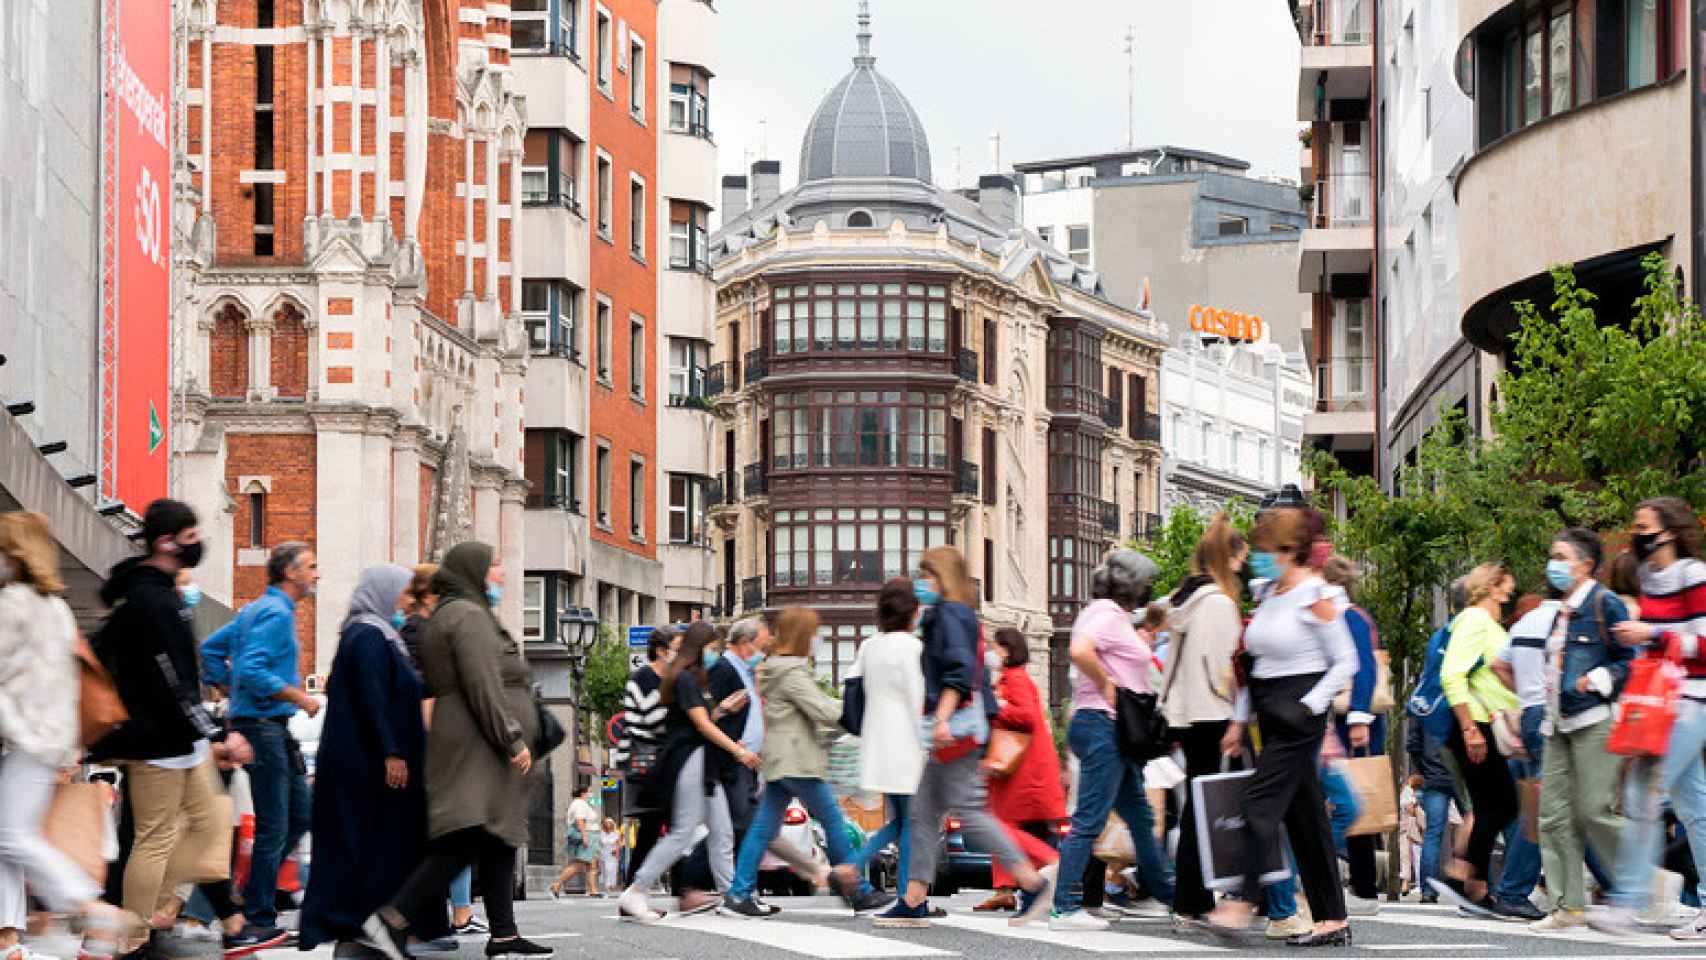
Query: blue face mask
[
  {"x": 1558, "y": 574},
  {"x": 191, "y": 595},
  {"x": 494, "y": 594},
  {"x": 1263, "y": 566},
  {"x": 926, "y": 595},
  {"x": 397, "y": 619},
  {"x": 753, "y": 661},
  {"x": 711, "y": 657}
]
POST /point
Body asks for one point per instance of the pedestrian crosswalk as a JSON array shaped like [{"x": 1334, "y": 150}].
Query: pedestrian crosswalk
[{"x": 1122, "y": 938}]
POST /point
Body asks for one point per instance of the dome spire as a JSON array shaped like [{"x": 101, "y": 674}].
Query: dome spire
[{"x": 864, "y": 59}]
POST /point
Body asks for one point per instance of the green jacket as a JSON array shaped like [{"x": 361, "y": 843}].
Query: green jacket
[{"x": 795, "y": 711}]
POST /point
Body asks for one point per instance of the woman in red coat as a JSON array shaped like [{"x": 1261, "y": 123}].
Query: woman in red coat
[{"x": 1029, "y": 801}]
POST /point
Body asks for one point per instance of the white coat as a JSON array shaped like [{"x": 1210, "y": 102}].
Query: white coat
[{"x": 891, "y": 758}]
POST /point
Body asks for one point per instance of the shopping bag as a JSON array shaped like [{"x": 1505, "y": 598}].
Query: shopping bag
[
  {"x": 1115, "y": 844},
  {"x": 1219, "y": 802},
  {"x": 1528, "y": 792},
  {"x": 842, "y": 765},
  {"x": 213, "y": 862},
  {"x": 1371, "y": 779},
  {"x": 75, "y": 825},
  {"x": 1647, "y": 709},
  {"x": 1006, "y": 749},
  {"x": 1381, "y": 700}
]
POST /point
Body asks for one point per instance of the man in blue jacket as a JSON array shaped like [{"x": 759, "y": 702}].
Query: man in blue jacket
[{"x": 255, "y": 657}]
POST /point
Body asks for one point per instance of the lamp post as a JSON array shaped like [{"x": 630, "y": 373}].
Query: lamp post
[{"x": 577, "y": 631}]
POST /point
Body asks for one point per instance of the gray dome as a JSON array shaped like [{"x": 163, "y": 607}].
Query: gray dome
[{"x": 864, "y": 128}]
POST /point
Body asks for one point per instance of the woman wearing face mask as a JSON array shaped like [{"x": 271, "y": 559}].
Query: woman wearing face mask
[
  {"x": 958, "y": 702},
  {"x": 1029, "y": 801},
  {"x": 893, "y": 681},
  {"x": 484, "y": 726},
  {"x": 1585, "y": 667},
  {"x": 1673, "y": 624},
  {"x": 1477, "y": 695},
  {"x": 1299, "y": 656},
  {"x": 369, "y": 803}
]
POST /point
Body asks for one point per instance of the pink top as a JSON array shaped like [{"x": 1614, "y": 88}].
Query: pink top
[{"x": 1123, "y": 653}]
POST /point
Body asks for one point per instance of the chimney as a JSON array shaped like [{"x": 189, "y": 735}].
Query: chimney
[
  {"x": 998, "y": 196},
  {"x": 766, "y": 182},
  {"x": 734, "y": 198}
]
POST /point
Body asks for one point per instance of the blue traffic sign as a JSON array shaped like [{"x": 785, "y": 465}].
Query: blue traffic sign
[{"x": 639, "y": 636}]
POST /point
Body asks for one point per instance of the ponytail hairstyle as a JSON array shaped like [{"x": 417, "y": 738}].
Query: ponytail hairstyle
[{"x": 1215, "y": 555}]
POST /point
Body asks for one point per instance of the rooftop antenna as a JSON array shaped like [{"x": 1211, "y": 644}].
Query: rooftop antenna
[
  {"x": 864, "y": 59},
  {"x": 1130, "y": 87}
]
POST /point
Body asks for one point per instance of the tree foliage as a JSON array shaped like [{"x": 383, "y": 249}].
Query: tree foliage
[
  {"x": 606, "y": 674},
  {"x": 1172, "y": 549}
]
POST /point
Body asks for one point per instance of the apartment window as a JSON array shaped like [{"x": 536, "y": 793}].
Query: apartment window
[
  {"x": 637, "y": 499},
  {"x": 544, "y": 27},
  {"x": 687, "y": 361},
  {"x": 686, "y": 506},
  {"x": 1078, "y": 244},
  {"x": 533, "y": 609},
  {"x": 636, "y": 78},
  {"x": 1230, "y": 226},
  {"x": 603, "y": 334},
  {"x": 257, "y": 520},
  {"x": 1046, "y": 235},
  {"x": 1262, "y": 458},
  {"x": 550, "y": 169},
  {"x": 553, "y": 464},
  {"x": 550, "y": 310},
  {"x": 605, "y": 195},
  {"x": 859, "y": 429},
  {"x": 601, "y": 477},
  {"x": 263, "y": 159},
  {"x": 637, "y": 217},
  {"x": 602, "y": 36},
  {"x": 1641, "y": 42},
  {"x": 689, "y": 100},
  {"x": 988, "y": 570},
  {"x": 991, "y": 475},
  {"x": 637, "y": 357},
  {"x": 1206, "y": 450},
  {"x": 687, "y": 236},
  {"x": 846, "y": 545},
  {"x": 860, "y": 316}
]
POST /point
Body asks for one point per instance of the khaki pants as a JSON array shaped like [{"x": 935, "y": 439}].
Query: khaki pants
[
  {"x": 175, "y": 823},
  {"x": 1578, "y": 784}
]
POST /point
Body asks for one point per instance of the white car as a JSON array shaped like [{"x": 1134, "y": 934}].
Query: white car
[{"x": 775, "y": 876}]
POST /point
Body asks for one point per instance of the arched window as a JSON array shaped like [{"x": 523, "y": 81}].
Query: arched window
[
  {"x": 290, "y": 352},
  {"x": 861, "y": 218},
  {"x": 228, "y": 354}
]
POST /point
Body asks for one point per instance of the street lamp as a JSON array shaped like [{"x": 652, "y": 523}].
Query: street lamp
[{"x": 577, "y": 631}]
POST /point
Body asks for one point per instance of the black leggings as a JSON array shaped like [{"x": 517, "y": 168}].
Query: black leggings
[
  {"x": 494, "y": 867},
  {"x": 1286, "y": 788},
  {"x": 1201, "y": 743},
  {"x": 1492, "y": 797}
]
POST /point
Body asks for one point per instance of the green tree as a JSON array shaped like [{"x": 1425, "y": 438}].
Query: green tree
[
  {"x": 1185, "y": 526},
  {"x": 606, "y": 675}
]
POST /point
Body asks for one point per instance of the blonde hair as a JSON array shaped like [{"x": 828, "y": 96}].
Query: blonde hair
[
  {"x": 1478, "y": 583},
  {"x": 796, "y": 629},
  {"x": 948, "y": 566},
  {"x": 1339, "y": 572},
  {"x": 609, "y": 825},
  {"x": 26, "y": 539}
]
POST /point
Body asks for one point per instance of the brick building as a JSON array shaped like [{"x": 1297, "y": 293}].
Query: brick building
[{"x": 352, "y": 363}]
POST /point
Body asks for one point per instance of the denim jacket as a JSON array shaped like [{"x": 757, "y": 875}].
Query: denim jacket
[{"x": 1590, "y": 650}]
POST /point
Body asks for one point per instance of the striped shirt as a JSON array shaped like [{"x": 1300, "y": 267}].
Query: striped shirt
[
  {"x": 642, "y": 713},
  {"x": 1673, "y": 601}
]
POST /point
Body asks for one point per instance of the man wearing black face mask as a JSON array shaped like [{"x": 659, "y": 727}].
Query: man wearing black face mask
[{"x": 148, "y": 645}]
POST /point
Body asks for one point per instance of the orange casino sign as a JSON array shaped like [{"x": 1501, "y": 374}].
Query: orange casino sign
[{"x": 1225, "y": 323}]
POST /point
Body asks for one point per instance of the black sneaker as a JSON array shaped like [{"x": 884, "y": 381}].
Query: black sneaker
[
  {"x": 901, "y": 916},
  {"x": 517, "y": 947},
  {"x": 747, "y": 909},
  {"x": 1519, "y": 910},
  {"x": 252, "y": 939},
  {"x": 872, "y": 900},
  {"x": 389, "y": 941},
  {"x": 769, "y": 908},
  {"x": 473, "y": 928}
]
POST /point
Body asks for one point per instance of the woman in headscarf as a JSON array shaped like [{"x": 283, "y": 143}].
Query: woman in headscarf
[
  {"x": 484, "y": 726},
  {"x": 369, "y": 805}
]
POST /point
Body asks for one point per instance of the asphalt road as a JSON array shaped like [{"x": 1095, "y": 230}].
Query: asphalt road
[{"x": 583, "y": 929}]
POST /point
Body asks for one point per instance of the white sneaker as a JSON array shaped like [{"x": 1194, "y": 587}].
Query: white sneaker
[
  {"x": 1559, "y": 921},
  {"x": 1148, "y": 908},
  {"x": 633, "y": 905},
  {"x": 1615, "y": 921},
  {"x": 1110, "y": 914},
  {"x": 1361, "y": 907},
  {"x": 1692, "y": 930},
  {"x": 1076, "y": 920}
]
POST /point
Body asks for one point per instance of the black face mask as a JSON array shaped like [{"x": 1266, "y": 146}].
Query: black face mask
[
  {"x": 1645, "y": 545},
  {"x": 189, "y": 554},
  {"x": 1507, "y": 609}
]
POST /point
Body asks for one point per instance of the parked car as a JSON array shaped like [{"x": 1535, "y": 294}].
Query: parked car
[
  {"x": 964, "y": 864},
  {"x": 775, "y": 877}
]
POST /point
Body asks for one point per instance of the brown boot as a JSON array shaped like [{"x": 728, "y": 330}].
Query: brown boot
[{"x": 1002, "y": 900}]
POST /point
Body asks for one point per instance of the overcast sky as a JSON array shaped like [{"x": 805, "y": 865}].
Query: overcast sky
[{"x": 1050, "y": 77}]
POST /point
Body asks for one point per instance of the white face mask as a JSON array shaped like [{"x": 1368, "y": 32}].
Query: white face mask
[{"x": 992, "y": 661}]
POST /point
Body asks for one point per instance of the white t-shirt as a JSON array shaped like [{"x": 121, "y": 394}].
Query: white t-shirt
[
  {"x": 188, "y": 761},
  {"x": 583, "y": 816}
]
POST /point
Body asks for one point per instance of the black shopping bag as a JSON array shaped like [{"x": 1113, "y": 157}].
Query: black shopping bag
[{"x": 1219, "y": 802}]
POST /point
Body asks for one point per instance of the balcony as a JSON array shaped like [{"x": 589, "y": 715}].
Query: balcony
[
  {"x": 756, "y": 367},
  {"x": 1340, "y": 235},
  {"x": 755, "y": 481},
  {"x": 1069, "y": 400},
  {"x": 752, "y": 594},
  {"x": 717, "y": 379},
  {"x": 1110, "y": 513},
  {"x": 1338, "y": 45},
  {"x": 1344, "y": 402},
  {"x": 1145, "y": 527},
  {"x": 968, "y": 480},
  {"x": 1147, "y": 428},
  {"x": 1113, "y": 412},
  {"x": 716, "y": 494},
  {"x": 698, "y": 394},
  {"x": 553, "y": 501},
  {"x": 967, "y": 366}
]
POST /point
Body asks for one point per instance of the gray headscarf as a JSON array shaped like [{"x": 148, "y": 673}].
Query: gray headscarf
[{"x": 376, "y": 596}]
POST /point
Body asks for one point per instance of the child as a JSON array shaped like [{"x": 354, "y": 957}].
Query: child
[{"x": 610, "y": 855}]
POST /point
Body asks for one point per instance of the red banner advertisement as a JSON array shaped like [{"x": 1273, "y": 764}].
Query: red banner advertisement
[{"x": 137, "y": 251}]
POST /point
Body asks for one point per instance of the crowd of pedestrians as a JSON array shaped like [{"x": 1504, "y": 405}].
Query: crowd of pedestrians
[{"x": 1589, "y": 702}]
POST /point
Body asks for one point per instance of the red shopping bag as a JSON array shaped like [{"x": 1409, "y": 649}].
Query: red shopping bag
[{"x": 1647, "y": 710}]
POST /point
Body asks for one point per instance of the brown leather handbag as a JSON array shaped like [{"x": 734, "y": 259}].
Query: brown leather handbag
[
  {"x": 1006, "y": 750},
  {"x": 99, "y": 709}
]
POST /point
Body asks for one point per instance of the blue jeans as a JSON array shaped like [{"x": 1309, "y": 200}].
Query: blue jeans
[
  {"x": 1345, "y": 807},
  {"x": 1521, "y": 872},
  {"x": 462, "y": 889},
  {"x": 1107, "y": 781},
  {"x": 282, "y": 806},
  {"x": 1282, "y": 896},
  {"x": 898, "y": 831},
  {"x": 1436, "y": 808},
  {"x": 1681, "y": 774},
  {"x": 819, "y": 801}
]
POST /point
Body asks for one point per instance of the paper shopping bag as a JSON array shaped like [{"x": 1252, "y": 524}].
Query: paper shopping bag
[
  {"x": 1219, "y": 802},
  {"x": 1115, "y": 844},
  {"x": 75, "y": 825},
  {"x": 1371, "y": 778}
]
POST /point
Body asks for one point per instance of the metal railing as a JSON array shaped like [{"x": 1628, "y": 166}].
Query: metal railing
[
  {"x": 1069, "y": 398},
  {"x": 1344, "y": 385},
  {"x": 1145, "y": 527},
  {"x": 752, "y": 594},
  {"x": 755, "y": 368},
  {"x": 1332, "y": 23},
  {"x": 716, "y": 493},
  {"x": 1113, "y": 412},
  {"x": 1146, "y": 428},
  {"x": 717, "y": 379},
  {"x": 553, "y": 501},
  {"x": 967, "y": 367},
  {"x": 755, "y": 481},
  {"x": 1344, "y": 200},
  {"x": 968, "y": 479},
  {"x": 1110, "y": 512}
]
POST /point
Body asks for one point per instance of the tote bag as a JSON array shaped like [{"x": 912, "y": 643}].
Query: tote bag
[
  {"x": 1219, "y": 802},
  {"x": 1647, "y": 710}
]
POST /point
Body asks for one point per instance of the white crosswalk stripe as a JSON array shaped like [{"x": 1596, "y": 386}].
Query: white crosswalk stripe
[
  {"x": 1436, "y": 919},
  {"x": 830, "y": 943},
  {"x": 1113, "y": 940}
]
